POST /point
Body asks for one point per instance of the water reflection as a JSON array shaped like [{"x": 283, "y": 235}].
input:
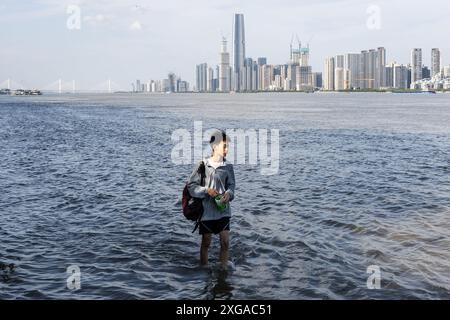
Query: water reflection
[{"x": 219, "y": 285}]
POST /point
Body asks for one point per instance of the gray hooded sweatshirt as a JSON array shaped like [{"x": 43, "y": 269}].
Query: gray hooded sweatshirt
[{"x": 221, "y": 179}]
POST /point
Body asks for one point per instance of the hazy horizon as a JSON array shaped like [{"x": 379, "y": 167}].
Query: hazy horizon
[{"x": 128, "y": 40}]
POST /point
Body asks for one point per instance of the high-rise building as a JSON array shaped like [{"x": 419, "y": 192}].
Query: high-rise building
[
  {"x": 329, "y": 74},
  {"x": 283, "y": 71},
  {"x": 165, "y": 85},
  {"x": 364, "y": 70},
  {"x": 239, "y": 49},
  {"x": 183, "y": 86},
  {"x": 277, "y": 83},
  {"x": 300, "y": 55},
  {"x": 317, "y": 79},
  {"x": 262, "y": 61},
  {"x": 396, "y": 76},
  {"x": 247, "y": 72},
  {"x": 172, "y": 82},
  {"x": 291, "y": 77},
  {"x": 230, "y": 78},
  {"x": 416, "y": 65},
  {"x": 409, "y": 75},
  {"x": 224, "y": 67},
  {"x": 426, "y": 72},
  {"x": 388, "y": 76},
  {"x": 369, "y": 62},
  {"x": 369, "y": 68},
  {"x": 304, "y": 57},
  {"x": 339, "y": 61},
  {"x": 304, "y": 78},
  {"x": 210, "y": 80},
  {"x": 400, "y": 76},
  {"x": 295, "y": 53},
  {"x": 255, "y": 76},
  {"x": 435, "y": 62},
  {"x": 340, "y": 76},
  {"x": 299, "y": 74},
  {"x": 202, "y": 77},
  {"x": 267, "y": 76},
  {"x": 339, "y": 72},
  {"x": 216, "y": 79},
  {"x": 138, "y": 86},
  {"x": 446, "y": 71},
  {"x": 352, "y": 64},
  {"x": 380, "y": 76}
]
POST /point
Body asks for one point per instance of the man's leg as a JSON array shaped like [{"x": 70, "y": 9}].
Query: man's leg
[
  {"x": 206, "y": 241},
  {"x": 224, "y": 247}
]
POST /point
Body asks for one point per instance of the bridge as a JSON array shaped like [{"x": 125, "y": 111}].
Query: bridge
[{"x": 64, "y": 86}]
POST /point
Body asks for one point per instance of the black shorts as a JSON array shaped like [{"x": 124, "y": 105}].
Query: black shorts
[{"x": 214, "y": 226}]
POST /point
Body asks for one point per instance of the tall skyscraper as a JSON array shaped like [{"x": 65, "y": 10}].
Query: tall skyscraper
[
  {"x": 380, "y": 73},
  {"x": 304, "y": 57},
  {"x": 172, "y": 82},
  {"x": 364, "y": 70},
  {"x": 239, "y": 49},
  {"x": 247, "y": 79},
  {"x": 210, "y": 79},
  {"x": 352, "y": 64},
  {"x": 317, "y": 79},
  {"x": 400, "y": 76},
  {"x": 303, "y": 78},
  {"x": 291, "y": 77},
  {"x": 267, "y": 76},
  {"x": 389, "y": 76},
  {"x": 216, "y": 78},
  {"x": 255, "y": 76},
  {"x": 339, "y": 72},
  {"x": 299, "y": 74},
  {"x": 435, "y": 62},
  {"x": 416, "y": 65},
  {"x": 299, "y": 56},
  {"x": 339, "y": 79},
  {"x": 328, "y": 81},
  {"x": 224, "y": 67},
  {"x": 339, "y": 62},
  {"x": 371, "y": 69},
  {"x": 201, "y": 77}
]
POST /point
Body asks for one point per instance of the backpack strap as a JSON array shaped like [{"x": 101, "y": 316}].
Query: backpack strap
[
  {"x": 196, "y": 225},
  {"x": 202, "y": 171}
]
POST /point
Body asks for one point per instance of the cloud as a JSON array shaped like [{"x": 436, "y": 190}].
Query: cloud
[
  {"x": 136, "y": 26},
  {"x": 97, "y": 19}
]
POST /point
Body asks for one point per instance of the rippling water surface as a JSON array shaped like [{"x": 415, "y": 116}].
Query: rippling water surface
[{"x": 88, "y": 180}]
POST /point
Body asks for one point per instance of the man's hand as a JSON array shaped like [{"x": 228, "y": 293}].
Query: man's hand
[
  {"x": 225, "y": 198},
  {"x": 212, "y": 192}
]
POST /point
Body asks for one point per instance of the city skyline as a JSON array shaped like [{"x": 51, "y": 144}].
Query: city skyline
[
  {"x": 132, "y": 40},
  {"x": 367, "y": 70}
]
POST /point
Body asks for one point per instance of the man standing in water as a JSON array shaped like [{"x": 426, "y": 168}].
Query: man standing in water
[{"x": 216, "y": 196}]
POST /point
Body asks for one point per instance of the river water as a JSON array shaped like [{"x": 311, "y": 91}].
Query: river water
[{"x": 363, "y": 184}]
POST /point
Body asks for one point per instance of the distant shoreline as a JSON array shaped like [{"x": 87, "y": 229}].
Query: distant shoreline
[{"x": 37, "y": 92}]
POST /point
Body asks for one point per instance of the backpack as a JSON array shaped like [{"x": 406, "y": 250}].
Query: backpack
[{"x": 193, "y": 207}]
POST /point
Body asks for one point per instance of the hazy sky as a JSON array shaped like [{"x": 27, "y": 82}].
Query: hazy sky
[{"x": 127, "y": 40}]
